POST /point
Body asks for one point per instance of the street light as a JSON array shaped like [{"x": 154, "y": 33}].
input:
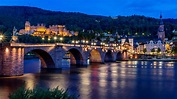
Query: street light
[
  {"x": 61, "y": 39},
  {"x": 55, "y": 38},
  {"x": 73, "y": 42},
  {"x": 43, "y": 39},
  {"x": 1, "y": 38},
  {"x": 49, "y": 40}
]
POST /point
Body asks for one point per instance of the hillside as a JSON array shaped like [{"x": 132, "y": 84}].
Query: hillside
[{"x": 11, "y": 16}]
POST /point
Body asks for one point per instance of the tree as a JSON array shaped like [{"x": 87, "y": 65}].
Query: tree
[
  {"x": 158, "y": 50},
  {"x": 174, "y": 50},
  {"x": 144, "y": 50},
  {"x": 153, "y": 50}
]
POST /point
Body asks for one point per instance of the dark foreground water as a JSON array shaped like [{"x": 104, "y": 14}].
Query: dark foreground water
[{"x": 121, "y": 80}]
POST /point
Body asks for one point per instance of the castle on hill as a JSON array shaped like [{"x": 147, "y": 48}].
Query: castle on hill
[{"x": 42, "y": 31}]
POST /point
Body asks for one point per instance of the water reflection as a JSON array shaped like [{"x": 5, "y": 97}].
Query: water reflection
[{"x": 124, "y": 80}]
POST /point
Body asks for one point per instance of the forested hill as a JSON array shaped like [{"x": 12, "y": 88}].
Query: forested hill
[{"x": 11, "y": 16}]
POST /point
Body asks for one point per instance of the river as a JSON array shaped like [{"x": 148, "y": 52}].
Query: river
[{"x": 119, "y": 80}]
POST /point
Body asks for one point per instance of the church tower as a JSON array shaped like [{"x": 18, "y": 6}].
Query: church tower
[{"x": 161, "y": 32}]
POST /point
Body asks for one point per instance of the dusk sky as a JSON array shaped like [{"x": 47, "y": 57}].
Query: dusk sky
[{"x": 151, "y": 8}]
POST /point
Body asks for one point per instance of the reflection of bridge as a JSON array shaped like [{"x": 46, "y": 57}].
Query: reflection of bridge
[{"x": 51, "y": 55}]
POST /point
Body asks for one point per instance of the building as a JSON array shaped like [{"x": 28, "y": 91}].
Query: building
[
  {"x": 155, "y": 45},
  {"x": 159, "y": 43},
  {"x": 127, "y": 43},
  {"x": 140, "y": 48},
  {"x": 161, "y": 32},
  {"x": 42, "y": 30}
]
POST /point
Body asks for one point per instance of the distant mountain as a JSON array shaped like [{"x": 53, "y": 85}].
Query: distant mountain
[{"x": 11, "y": 16}]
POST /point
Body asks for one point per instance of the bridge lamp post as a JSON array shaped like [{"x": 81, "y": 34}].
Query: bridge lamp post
[
  {"x": 61, "y": 39},
  {"x": 1, "y": 38},
  {"x": 73, "y": 42},
  {"x": 86, "y": 42},
  {"x": 55, "y": 38},
  {"x": 86, "y": 47},
  {"x": 102, "y": 46},
  {"x": 76, "y": 42},
  {"x": 83, "y": 42},
  {"x": 43, "y": 39},
  {"x": 48, "y": 40}
]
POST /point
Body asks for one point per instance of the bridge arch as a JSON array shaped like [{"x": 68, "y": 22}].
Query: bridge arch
[
  {"x": 75, "y": 55},
  {"x": 109, "y": 57},
  {"x": 119, "y": 56},
  {"x": 94, "y": 55},
  {"x": 45, "y": 58}
]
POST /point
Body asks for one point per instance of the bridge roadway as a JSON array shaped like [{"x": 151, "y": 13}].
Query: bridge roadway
[{"x": 52, "y": 55}]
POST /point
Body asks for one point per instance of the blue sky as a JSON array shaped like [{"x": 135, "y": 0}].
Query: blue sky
[{"x": 151, "y": 8}]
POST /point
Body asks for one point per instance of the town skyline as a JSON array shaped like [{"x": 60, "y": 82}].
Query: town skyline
[{"x": 112, "y": 8}]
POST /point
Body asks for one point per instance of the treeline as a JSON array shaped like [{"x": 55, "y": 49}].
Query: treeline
[{"x": 11, "y": 16}]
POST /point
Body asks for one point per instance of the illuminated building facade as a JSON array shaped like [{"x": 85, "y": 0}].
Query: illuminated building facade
[
  {"x": 42, "y": 30},
  {"x": 127, "y": 43},
  {"x": 159, "y": 44}
]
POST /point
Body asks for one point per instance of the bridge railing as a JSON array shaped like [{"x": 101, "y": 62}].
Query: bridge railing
[
  {"x": 30, "y": 45},
  {"x": 62, "y": 44}
]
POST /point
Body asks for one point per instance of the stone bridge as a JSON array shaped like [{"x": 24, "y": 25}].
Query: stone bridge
[{"x": 52, "y": 55}]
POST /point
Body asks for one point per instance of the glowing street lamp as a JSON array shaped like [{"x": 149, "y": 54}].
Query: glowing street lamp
[
  {"x": 73, "y": 42},
  {"x": 43, "y": 39},
  {"x": 1, "y": 38},
  {"x": 55, "y": 38},
  {"x": 61, "y": 39},
  {"x": 48, "y": 39},
  {"x": 83, "y": 41},
  {"x": 86, "y": 41}
]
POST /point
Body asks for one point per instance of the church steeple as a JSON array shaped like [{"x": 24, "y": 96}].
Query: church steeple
[
  {"x": 160, "y": 15},
  {"x": 161, "y": 22},
  {"x": 161, "y": 32}
]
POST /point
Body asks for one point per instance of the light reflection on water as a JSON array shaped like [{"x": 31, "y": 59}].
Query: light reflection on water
[{"x": 124, "y": 80}]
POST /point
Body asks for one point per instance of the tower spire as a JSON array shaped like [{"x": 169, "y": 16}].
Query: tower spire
[
  {"x": 160, "y": 15},
  {"x": 161, "y": 32},
  {"x": 161, "y": 22}
]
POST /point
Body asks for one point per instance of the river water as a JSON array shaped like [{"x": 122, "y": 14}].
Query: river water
[{"x": 119, "y": 80}]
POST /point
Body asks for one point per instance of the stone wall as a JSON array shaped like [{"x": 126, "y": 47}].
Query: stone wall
[{"x": 12, "y": 60}]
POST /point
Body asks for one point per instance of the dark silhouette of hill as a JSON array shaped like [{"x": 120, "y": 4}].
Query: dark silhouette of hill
[{"x": 11, "y": 16}]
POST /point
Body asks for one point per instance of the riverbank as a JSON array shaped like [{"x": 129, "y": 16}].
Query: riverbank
[{"x": 153, "y": 59}]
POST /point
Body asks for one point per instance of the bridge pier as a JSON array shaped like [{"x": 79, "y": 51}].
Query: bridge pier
[{"x": 11, "y": 60}]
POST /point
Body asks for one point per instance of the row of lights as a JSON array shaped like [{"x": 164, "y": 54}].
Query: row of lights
[{"x": 55, "y": 38}]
